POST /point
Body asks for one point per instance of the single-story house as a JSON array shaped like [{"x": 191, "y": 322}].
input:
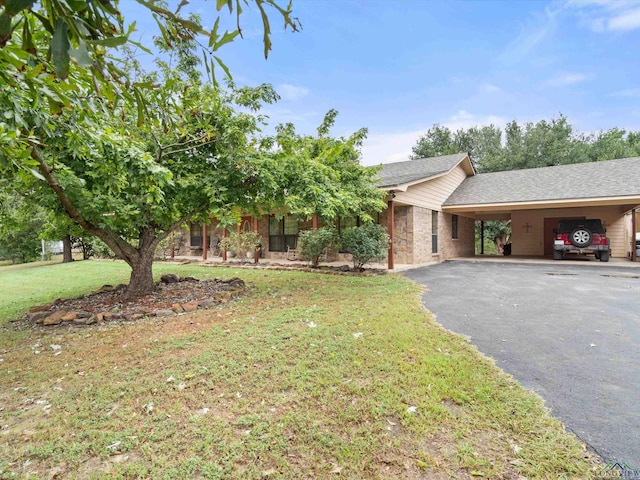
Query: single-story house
[{"x": 433, "y": 205}]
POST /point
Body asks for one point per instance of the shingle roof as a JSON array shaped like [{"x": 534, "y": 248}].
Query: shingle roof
[
  {"x": 611, "y": 178},
  {"x": 394, "y": 174}
]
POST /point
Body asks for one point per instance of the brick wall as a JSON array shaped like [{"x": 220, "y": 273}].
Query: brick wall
[{"x": 464, "y": 245}]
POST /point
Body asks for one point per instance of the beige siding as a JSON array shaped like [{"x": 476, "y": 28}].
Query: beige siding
[
  {"x": 433, "y": 193},
  {"x": 532, "y": 242}
]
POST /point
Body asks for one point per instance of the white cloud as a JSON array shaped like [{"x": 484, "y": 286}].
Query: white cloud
[
  {"x": 538, "y": 28},
  {"x": 291, "y": 92},
  {"x": 566, "y": 79},
  {"x": 396, "y": 147},
  {"x": 389, "y": 147},
  {"x": 629, "y": 20},
  {"x": 630, "y": 92},
  {"x": 607, "y": 15},
  {"x": 463, "y": 120},
  {"x": 489, "y": 88}
]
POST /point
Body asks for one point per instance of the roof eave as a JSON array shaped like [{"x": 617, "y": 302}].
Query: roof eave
[
  {"x": 468, "y": 168},
  {"x": 550, "y": 203}
]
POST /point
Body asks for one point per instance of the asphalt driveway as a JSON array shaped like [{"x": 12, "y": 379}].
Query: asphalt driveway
[{"x": 569, "y": 332}]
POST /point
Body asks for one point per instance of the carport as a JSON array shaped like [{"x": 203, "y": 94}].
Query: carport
[{"x": 536, "y": 199}]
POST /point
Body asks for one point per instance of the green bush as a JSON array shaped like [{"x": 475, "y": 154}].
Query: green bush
[
  {"x": 241, "y": 243},
  {"x": 102, "y": 250},
  {"x": 365, "y": 243},
  {"x": 312, "y": 244}
]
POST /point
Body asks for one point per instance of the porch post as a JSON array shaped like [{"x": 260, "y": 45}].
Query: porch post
[
  {"x": 204, "y": 241},
  {"x": 634, "y": 227},
  {"x": 224, "y": 251},
  {"x": 481, "y": 237},
  {"x": 315, "y": 221},
  {"x": 256, "y": 253},
  {"x": 391, "y": 231}
]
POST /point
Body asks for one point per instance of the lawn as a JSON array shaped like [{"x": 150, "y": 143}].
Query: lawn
[{"x": 307, "y": 376}]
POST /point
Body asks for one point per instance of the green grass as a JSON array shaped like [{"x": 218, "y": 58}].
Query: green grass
[{"x": 275, "y": 385}]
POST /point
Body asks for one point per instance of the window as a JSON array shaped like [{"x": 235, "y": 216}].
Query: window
[
  {"x": 454, "y": 227},
  {"x": 283, "y": 233},
  {"x": 434, "y": 231}
]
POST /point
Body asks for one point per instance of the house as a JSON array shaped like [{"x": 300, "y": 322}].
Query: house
[{"x": 433, "y": 205}]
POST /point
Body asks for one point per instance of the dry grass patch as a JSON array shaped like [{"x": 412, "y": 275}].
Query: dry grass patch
[{"x": 309, "y": 376}]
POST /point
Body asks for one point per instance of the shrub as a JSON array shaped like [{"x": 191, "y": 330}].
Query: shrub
[
  {"x": 365, "y": 243},
  {"x": 241, "y": 243},
  {"x": 312, "y": 244},
  {"x": 102, "y": 250}
]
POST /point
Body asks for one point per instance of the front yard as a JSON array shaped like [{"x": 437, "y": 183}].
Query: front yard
[{"x": 307, "y": 376}]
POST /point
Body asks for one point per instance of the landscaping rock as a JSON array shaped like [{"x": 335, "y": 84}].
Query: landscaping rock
[
  {"x": 165, "y": 312},
  {"x": 55, "y": 318},
  {"x": 169, "y": 278},
  {"x": 40, "y": 308},
  {"x": 176, "y": 307},
  {"x": 69, "y": 317},
  {"x": 190, "y": 306},
  {"x": 222, "y": 297},
  {"x": 38, "y": 317}
]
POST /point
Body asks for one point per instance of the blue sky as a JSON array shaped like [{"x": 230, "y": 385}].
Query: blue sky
[{"x": 397, "y": 67}]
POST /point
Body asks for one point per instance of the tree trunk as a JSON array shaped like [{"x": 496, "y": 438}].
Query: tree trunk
[
  {"x": 66, "y": 249},
  {"x": 141, "y": 281}
]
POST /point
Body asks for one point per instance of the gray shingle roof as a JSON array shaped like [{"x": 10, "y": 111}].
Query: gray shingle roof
[
  {"x": 394, "y": 174},
  {"x": 611, "y": 178}
]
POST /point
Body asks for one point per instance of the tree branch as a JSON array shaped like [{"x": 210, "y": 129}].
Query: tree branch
[
  {"x": 189, "y": 145},
  {"x": 119, "y": 246}
]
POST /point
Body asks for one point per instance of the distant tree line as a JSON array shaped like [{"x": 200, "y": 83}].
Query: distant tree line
[{"x": 528, "y": 145}]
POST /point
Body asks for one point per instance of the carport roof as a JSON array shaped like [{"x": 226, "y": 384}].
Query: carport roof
[
  {"x": 411, "y": 171},
  {"x": 579, "y": 181}
]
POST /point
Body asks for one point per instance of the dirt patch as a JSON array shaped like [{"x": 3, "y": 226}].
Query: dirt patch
[{"x": 172, "y": 296}]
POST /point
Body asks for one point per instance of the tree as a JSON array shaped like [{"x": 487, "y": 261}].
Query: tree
[
  {"x": 129, "y": 161},
  {"x": 20, "y": 223},
  {"x": 319, "y": 175}
]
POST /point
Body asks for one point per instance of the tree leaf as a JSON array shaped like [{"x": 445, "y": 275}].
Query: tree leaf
[
  {"x": 224, "y": 67},
  {"x": 60, "y": 49},
  {"x": 110, "y": 42},
  {"x": 36, "y": 174},
  {"x": 15, "y": 6},
  {"x": 27, "y": 39},
  {"x": 5, "y": 26},
  {"x": 81, "y": 56},
  {"x": 226, "y": 38}
]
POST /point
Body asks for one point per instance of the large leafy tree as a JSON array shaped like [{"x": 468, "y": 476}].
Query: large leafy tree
[
  {"x": 129, "y": 161},
  {"x": 320, "y": 175}
]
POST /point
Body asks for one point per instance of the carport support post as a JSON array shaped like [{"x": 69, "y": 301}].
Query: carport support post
[
  {"x": 481, "y": 237},
  {"x": 634, "y": 227},
  {"x": 204, "y": 241},
  {"x": 390, "y": 231}
]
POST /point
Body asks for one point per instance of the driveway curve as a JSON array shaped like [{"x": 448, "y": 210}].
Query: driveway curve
[{"x": 571, "y": 333}]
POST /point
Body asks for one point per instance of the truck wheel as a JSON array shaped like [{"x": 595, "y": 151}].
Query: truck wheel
[
  {"x": 604, "y": 256},
  {"x": 581, "y": 237},
  {"x": 558, "y": 254}
]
